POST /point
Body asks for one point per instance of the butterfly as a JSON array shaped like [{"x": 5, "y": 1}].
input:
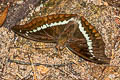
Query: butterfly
[{"x": 66, "y": 30}]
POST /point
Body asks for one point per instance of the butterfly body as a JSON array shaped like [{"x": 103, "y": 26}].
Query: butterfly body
[{"x": 78, "y": 35}]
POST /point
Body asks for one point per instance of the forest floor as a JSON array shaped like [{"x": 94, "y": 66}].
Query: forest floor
[{"x": 100, "y": 14}]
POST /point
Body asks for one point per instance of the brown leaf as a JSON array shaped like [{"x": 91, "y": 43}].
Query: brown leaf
[{"x": 3, "y": 16}]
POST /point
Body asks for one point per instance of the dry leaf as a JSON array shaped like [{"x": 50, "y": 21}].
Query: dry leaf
[
  {"x": 3, "y": 16},
  {"x": 42, "y": 69}
]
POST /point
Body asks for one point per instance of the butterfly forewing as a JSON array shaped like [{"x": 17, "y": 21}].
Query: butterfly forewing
[
  {"x": 91, "y": 47},
  {"x": 44, "y": 29}
]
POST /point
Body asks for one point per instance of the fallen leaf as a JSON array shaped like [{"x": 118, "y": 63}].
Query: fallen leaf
[
  {"x": 42, "y": 69},
  {"x": 3, "y": 16}
]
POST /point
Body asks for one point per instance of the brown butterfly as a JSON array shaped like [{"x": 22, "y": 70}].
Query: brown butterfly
[{"x": 67, "y": 30}]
